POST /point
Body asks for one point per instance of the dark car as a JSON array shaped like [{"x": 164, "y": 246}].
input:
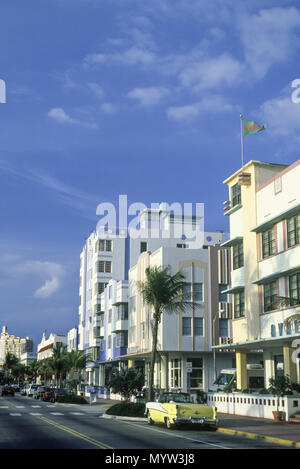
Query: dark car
[
  {"x": 57, "y": 393},
  {"x": 8, "y": 391},
  {"x": 38, "y": 393},
  {"x": 46, "y": 396}
]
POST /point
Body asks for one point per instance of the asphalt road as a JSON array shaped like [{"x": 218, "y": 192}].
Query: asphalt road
[{"x": 27, "y": 423}]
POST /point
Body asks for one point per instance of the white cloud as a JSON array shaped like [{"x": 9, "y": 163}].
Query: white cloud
[
  {"x": 96, "y": 89},
  {"x": 148, "y": 96},
  {"x": 132, "y": 56},
  {"x": 282, "y": 117},
  {"x": 212, "y": 73},
  {"x": 42, "y": 270},
  {"x": 108, "y": 108},
  {"x": 269, "y": 37},
  {"x": 59, "y": 115},
  {"x": 208, "y": 105}
]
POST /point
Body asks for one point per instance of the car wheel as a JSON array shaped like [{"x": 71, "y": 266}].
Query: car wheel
[
  {"x": 149, "y": 419},
  {"x": 169, "y": 425}
]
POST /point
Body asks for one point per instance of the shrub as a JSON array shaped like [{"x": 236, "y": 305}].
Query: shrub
[
  {"x": 72, "y": 399},
  {"x": 128, "y": 409}
]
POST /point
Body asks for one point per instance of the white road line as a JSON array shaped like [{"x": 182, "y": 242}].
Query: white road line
[
  {"x": 35, "y": 413},
  {"x": 20, "y": 406},
  {"x": 76, "y": 413},
  {"x": 15, "y": 415},
  {"x": 4, "y": 407},
  {"x": 36, "y": 406},
  {"x": 52, "y": 406},
  {"x": 56, "y": 413},
  {"x": 194, "y": 440}
]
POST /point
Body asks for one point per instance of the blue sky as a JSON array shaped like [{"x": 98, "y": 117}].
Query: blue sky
[{"x": 127, "y": 97}]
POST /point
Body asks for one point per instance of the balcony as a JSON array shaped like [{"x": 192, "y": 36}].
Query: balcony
[{"x": 121, "y": 325}]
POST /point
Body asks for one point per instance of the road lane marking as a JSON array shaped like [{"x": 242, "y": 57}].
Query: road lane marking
[
  {"x": 35, "y": 406},
  {"x": 35, "y": 413},
  {"x": 15, "y": 415},
  {"x": 20, "y": 407},
  {"x": 77, "y": 413},
  {"x": 4, "y": 407},
  {"x": 77, "y": 434},
  {"x": 56, "y": 413},
  {"x": 178, "y": 436}
]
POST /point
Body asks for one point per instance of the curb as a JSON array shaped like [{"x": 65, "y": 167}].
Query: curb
[
  {"x": 271, "y": 439},
  {"x": 117, "y": 417}
]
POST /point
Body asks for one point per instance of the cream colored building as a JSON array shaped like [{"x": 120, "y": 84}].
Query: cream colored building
[
  {"x": 46, "y": 346},
  {"x": 264, "y": 214},
  {"x": 12, "y": 344}
]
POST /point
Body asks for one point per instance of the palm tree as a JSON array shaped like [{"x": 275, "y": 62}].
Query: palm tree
[
  {"x": 58, "y": 362},
  {"x": 164, "y": 292},
  {"x": 75, "y": 362},
  {"x": 10, "y": 362},
  {"x": 33, "y": 368}
]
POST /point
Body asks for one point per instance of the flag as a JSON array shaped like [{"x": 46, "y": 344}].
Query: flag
[{"x": 251, "y": 127}]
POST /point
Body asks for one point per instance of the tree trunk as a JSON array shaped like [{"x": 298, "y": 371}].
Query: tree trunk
[{"x": 153, "y": 356}]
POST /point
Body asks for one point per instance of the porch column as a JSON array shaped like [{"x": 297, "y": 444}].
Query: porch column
[
  {"x": 290, "y": 368},
  {"x": 131, "y": 363},
  {"x": 164, "y": 372},
  {"x": 269, "y": 371},
  {"x": 101, "y": 376},
  {"x": 241, "y": 369}
]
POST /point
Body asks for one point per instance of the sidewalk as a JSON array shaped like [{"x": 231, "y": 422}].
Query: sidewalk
[{"x": 260, "y": 428}]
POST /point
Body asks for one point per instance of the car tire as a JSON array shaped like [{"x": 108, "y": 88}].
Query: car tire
[
  {"x": 169, "y": 425},
  {"x": 149, "y": 419}
]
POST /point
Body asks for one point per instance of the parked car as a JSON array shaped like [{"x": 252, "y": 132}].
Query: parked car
[
  {"x": 46, "y": 396},
  {"x": 179, "y": 408},
  {"x": 24, "y": 390},
  {"x": 56, "y": 393},
  {"x": 31, "y": 389},
  {"x": 16, "y": 387},
  {"x": 39, "y": 391},
  {"x": 7, "y": 391}
]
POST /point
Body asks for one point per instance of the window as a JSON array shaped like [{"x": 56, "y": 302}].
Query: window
[
  {"x": 183, "y": 246},
  {"x": 104, "y": 245},
  {"x": 186, "y": 326},
  {"x": 198, "y": 326},
  {"x": 122, "y": 312},
  {"x": 196, "y": 376},
  {"x": 294, "y": 286},
  {"x": 238, "y": 255},
  {"x": 268, "y": 242},
  {"x": 122, "y": 339},
  {"x": 270, "y": 296},
  {"x": 104, "y": 267},
  {"x": 109, "y": 342},
  {"x": 293, "y": 230},
  {"x": 175, "y": 373},
  {"x": 277, "y": 185},
  {"x": 222, "y": 296},
  {"x": 101, "y": 287},
  {"x": 236, "y": 195},
  {"x": 223, "y": 328},
  {"x": 143, "y": 246},
  {"x": 239, "y": 304},
  {"x": 198, "y": 295},
  {"x": 142, "y": 331},
  {"x": 109, "y": 316}
]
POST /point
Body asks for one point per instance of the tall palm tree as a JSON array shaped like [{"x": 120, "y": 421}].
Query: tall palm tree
[
  {"x": 75, "y": 362},
  {"x": 33, "y": 368},
  {"x": 164, "y": 292},
  {"x": 10, "y": 362},
  {"x": 58, "y": 362}
]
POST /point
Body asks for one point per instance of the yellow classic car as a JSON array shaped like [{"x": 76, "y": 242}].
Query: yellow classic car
[{"x": 179, "y": 408}]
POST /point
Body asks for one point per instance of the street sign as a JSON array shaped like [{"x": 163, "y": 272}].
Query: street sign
[{"x": 189, "y": 367}]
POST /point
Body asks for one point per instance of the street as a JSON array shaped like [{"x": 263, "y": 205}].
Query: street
[{"x": 27, "y": 423}]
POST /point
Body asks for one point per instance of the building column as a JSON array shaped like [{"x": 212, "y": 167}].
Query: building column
[
  {"x": 290, "y": 368},
  {"x": 269, "y": 371},
  {"x": 241, "y": 369},
  {"x": 101, "y": 375},
  {"x": 164, "y": 372},
  {"x": 131, "y": 363}
]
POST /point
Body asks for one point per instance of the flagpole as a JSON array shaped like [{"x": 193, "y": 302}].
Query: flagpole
[{"x": 242, "y": 140}]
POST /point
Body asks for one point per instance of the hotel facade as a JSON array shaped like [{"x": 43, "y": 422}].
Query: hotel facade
[{"x": 264, "y": 213}]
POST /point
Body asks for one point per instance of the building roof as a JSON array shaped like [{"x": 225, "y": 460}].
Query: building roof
[{"x": 254, "y": 162}]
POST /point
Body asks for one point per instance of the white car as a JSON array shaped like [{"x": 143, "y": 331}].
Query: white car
[{"x": 31, "y": 389}]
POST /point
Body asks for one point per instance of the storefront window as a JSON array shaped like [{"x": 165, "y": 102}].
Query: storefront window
[
  {"x": 195, "y": 378},
  {"x": 175, "y": 373}
]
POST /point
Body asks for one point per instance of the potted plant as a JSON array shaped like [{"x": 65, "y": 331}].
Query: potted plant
[{"x": 279, "y": 387}]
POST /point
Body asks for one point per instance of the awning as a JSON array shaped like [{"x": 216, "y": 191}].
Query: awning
[
  {"x": 261, "y": 344},
  {"x": 234, "y": 289},
  {"x": 233, "y": 241},
  {"x": 281, "y": 216},
  {"x": 276, "y": 275}
]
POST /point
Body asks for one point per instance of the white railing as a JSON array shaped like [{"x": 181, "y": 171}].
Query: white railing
[{"x": 254, "y": 405}]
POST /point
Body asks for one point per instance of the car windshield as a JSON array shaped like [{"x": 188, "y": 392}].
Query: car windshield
[
  {"x": 185, "y": 398},
  {"x": 224, "y": 379}
]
